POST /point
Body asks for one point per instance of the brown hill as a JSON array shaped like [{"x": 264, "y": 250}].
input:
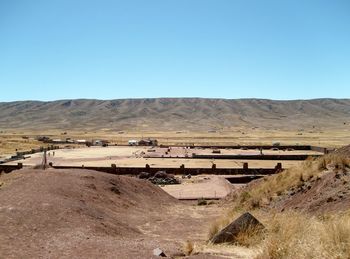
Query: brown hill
[
  {"x": 174, "y": 114},
  {"x": 78, "y": 213}
]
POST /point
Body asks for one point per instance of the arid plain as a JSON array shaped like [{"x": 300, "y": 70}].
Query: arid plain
[{"x": 80, "y": 212}]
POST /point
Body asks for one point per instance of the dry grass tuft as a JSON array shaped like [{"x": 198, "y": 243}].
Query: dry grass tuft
[
  {"x": 188, "y": 248},
  {"x": 334, "y": 161},
  {"x": 250, "y": 237},
  {"x": 218, "y": 225},
  {"x": 296, "y": 235},
  {"x": 202, "y": 202},
  {"x": 335, "y": 236}
]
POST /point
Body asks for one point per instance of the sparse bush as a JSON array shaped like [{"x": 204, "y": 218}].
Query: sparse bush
[
  {"x": 219, "y": 224},
  {"x": 335, "y": 236},
  {"x": 244, "y": 196},
  {"x": 250, "y": 237},
  {"x": 336, "y": 161},
  {"x": 188, "y": 248},
  {"x": 322, "y": 164},
  {"x": 213, "y": 230},
  {"x": 211, "y": 202},
  {"x": 201, "y": 202},
  {"x": 254, "y": 203}
]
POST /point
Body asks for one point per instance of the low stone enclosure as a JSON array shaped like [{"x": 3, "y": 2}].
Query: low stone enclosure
[
  {"x": 262, "y": 155},
  {"x": 113, "y": 169},
  {"x": 20, "y": 154},
  {"x": 245, "y": 170},
  {"x": 264, "y": 147}
]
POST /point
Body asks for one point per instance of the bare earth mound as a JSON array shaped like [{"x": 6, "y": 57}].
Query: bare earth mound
[
  {"x": 330, "y": 193},
  {"x": 79, "y": 213},
  {"x": 345, "y": 151}
]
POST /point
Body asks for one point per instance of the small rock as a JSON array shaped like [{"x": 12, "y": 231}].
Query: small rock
[
  {"x": 161, "y": 174},
  {"x": 158, "y": 252},
  {"x": 330, "y": 199},
  {"x": 144, "y": 175},
  {"x": 115, "y": 190}
]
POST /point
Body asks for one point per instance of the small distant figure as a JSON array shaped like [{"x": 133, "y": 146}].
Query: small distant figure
[
  {"x": 48, "y": 154},
  {"x": 261, "y": 151},
  {"x": 53, "y": 153}
]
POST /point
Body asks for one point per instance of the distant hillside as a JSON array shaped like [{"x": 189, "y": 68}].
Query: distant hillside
[{"x": 174, "y": 114}]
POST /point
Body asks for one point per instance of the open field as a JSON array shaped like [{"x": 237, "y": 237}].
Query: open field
[
  {"x": 160, "y": 223},
  {"x": 124, "y": 156},
  {"x": 10, "y": 140},
  {"x": 110, "y": 228}
]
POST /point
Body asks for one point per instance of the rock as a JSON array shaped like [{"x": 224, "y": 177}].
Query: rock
[
  {"x": 331, "y": 199},
  {"x": 115, "y": 190},
  {"x": 162, "y": 178},
  {"x": 244, "y": 223},
  {"x": 161, "y": 174},
  {"x": 144, "y": 175},
  {"x": 158, "y": 252}
]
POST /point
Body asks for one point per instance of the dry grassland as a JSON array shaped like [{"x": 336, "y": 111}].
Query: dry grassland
[{"x": 11, "y": 140}]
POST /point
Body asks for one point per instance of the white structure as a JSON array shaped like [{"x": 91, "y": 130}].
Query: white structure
[{"x": 133, "y": 142}]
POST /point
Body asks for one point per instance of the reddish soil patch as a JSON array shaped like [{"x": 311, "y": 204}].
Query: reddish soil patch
[
  {"x": 81, "y": 213},
  {"x": 329, "y": 193},
  {"x": 343, "y": 151}
]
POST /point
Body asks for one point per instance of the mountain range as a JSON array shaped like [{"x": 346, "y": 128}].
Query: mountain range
[{"x": 174, "y": 114}]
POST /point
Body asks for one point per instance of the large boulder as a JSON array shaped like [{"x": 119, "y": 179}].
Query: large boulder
[{"x": 246, "y": 222}]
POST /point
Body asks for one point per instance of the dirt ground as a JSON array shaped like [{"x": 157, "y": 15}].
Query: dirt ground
[
  {"x": 202, "y": 186},
  {"x": 81, "y": 213},
  {"x": 135, "y": 157}
]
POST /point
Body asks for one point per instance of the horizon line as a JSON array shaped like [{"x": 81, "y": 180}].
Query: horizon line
[{"x": 155, "y": 98}]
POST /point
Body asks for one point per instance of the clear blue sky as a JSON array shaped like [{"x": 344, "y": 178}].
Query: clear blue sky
[{"x": 60, "y": 49}]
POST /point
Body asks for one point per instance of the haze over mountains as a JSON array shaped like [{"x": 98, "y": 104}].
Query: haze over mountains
[{"x": 174, "y": 114}]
